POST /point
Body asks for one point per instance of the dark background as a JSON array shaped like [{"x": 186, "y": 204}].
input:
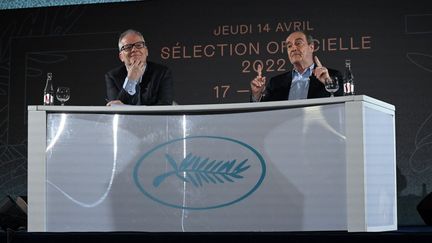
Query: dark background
[{"x": 78, "y": 44}]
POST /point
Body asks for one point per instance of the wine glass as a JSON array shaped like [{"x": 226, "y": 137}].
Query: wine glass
[
  {"x": 332, "y": 85},
  {"x": 63, "y": 94}
]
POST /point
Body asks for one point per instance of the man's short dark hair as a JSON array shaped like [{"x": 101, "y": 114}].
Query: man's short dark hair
[{"x": 309, "y": 38}]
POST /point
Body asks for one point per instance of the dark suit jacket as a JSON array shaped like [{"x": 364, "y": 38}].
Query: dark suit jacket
[
  {"x": 278, "y": 87},
  {"x": 156, "y": 87}
]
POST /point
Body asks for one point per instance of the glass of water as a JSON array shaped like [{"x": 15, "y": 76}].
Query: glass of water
[
  {"x": 63, "y": 94},
  {"x": 332, "y": 85}
]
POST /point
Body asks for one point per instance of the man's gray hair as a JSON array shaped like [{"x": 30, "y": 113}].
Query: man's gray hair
[{"x": 127, "y": 32}]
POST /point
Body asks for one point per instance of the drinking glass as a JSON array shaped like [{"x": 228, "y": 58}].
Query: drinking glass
[
  {"x": 63, "y": 94},
  {"x": 332, "y": 85}
]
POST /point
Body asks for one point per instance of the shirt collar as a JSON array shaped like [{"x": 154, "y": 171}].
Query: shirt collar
[{"x": 306, "y": 71}]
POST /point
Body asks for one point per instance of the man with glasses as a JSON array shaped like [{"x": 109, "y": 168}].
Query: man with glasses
[
  {"x": 138, "y": 81},
  {"x": 305, "y": 81}
]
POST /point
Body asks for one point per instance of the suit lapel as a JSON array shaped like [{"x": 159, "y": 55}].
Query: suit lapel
[
  {"x": 288, "y": 83},
  {"x": 146, "y": 84}
]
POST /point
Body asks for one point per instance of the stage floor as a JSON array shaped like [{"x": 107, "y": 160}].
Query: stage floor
[{"x": 417, "y": 234}]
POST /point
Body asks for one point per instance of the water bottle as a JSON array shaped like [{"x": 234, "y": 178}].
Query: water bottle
[
  {"x": 48, "y": 98},
  {"x": 348, "y": 79}
]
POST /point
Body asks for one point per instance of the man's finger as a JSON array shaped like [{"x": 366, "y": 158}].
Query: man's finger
[
  {"x": 259, "y": 70},
  {"x": 256, "y": 83},
  {"x": 317, "y": 61}
]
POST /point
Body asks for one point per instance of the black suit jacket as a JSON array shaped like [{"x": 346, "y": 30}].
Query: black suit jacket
[
  {"x": 278, "y": 87},
  {"x": 156, "y": 87}
]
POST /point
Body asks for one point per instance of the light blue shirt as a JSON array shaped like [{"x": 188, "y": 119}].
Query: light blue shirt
[
  {"x": 300, "y": 84},
  {"x": 130, "y": 85}
]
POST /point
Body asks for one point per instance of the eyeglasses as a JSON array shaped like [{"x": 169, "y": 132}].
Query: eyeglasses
[{"x": 129, "y": 47}]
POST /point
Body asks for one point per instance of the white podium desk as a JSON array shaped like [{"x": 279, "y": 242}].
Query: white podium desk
[{"x": 311, "y": 165}]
